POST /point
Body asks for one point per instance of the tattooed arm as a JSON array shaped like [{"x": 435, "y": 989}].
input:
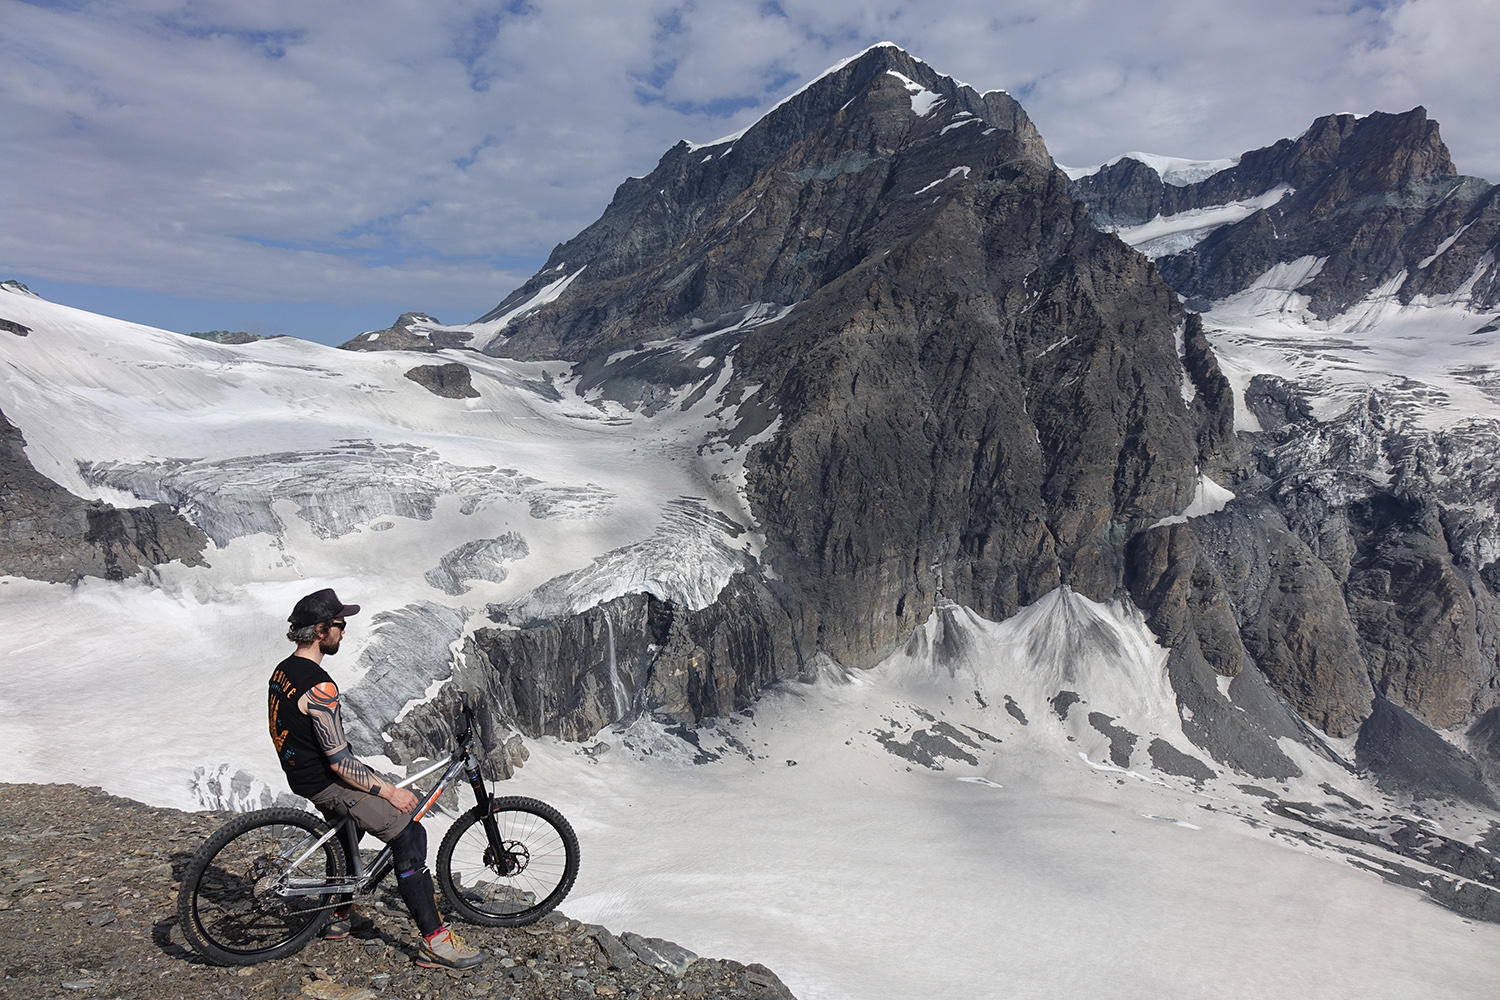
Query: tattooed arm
[{"x": 322, "y": 704}]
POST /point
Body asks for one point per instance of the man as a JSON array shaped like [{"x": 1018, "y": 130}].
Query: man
[{"x": 307, "y": 728}]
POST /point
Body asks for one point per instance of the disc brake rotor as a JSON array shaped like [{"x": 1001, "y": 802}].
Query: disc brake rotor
[{"x": 512, "y": 861}]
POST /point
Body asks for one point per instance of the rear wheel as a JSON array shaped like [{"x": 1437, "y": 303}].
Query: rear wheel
[
  {"x": 526, "y": 879},
  {"x": 231, "y": 908}
]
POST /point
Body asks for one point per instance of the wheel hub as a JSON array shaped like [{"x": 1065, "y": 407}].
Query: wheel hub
[
  {"x": 512, "y": 860},
  {"x": 267, "y": 895}
]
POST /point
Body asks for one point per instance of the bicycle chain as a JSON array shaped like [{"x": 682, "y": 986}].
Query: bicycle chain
[{"x": 355, "y": 899}]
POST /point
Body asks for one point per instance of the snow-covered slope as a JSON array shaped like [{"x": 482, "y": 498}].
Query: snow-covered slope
[
  {"x": 1437, "y": 360},
  {"x": 935, "y": 828},
  {"x": 1169, "y": 234},
  {"x": 314, "y": 467}
]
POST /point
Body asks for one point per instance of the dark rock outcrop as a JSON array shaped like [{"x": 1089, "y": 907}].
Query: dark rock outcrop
[
  {"x": 573, "y": 676},
  {"x": 1405, "y": 522},
  {"x": 1414, "y": 611},
  {"x": 226, "y": 336},
  {"x": 1376, "y": 197},
  {"x": 47, "y": 533},
  {"x": 1291, "y": 615},
  {"x": 1405, "y": 755},
  {"x": 979, "y": 395},
  {"x": 478, "y": 559},
  {"x": 1213, "y": 398},
  {"x": 1171, "y": 576},
  {"x": 411, "y": 332},
  {"x": 1484, "y": 744},
  {"x": 451, "y": 380}
]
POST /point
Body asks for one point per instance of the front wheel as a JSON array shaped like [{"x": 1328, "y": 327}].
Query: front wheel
[
  {"x": 526, "y": 878},
  {"x": 231, "y": 907}
]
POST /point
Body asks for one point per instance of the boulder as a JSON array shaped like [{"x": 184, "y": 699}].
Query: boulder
[{"x": 451, "y": 381}]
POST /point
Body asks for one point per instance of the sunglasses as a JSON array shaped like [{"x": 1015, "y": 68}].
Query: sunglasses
[{"x": 339, "y": 625}]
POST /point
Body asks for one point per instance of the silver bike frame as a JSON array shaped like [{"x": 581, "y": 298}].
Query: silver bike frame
[{"x": 361, "y": 878}]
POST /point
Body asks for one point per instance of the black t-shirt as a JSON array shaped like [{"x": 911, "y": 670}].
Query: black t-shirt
[{"x": 297, "y": 745}]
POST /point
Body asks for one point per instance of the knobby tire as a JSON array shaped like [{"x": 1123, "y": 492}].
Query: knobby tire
[
  {"x": 479, "y": 888},
  {"x": 218, "y": 909}
]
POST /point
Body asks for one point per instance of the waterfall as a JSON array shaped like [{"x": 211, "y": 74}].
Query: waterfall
[{"x": 614, "y": 672}]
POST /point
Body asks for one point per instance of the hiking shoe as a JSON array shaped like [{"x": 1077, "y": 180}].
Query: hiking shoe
[
  {"x": 346, "y": 922},
  {"x": 446, "y": 950}
]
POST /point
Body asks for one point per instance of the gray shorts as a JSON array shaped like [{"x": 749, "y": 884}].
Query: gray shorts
[{"x": 372, "y": 813}]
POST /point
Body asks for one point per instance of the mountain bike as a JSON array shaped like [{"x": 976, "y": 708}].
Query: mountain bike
[{"x": 265, "y": 883}]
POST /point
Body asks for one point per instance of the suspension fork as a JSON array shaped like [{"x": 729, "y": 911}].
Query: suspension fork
[{"x": 502, "y": 859}]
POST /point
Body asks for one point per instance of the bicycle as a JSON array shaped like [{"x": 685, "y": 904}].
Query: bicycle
[{"x": 264, "y": 884}]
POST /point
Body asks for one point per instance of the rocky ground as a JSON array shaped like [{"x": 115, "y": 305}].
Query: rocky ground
[{"x": 88, "y": 895}]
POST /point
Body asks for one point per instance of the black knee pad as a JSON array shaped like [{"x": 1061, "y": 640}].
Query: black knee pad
[{"x": 409, "y": 849}]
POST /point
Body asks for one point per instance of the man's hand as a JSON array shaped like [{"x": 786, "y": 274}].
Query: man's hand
[{"x": 401, "y": 798}]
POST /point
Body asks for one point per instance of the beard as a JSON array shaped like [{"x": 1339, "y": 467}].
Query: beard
[{"x": 329, "y": 645}]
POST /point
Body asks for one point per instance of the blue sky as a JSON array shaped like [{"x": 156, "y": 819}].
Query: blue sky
[{"x": 316, "y": 169}]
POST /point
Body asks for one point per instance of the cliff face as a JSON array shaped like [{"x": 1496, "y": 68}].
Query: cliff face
[
  {"x": 978, "y": 394},
  {"x": 967, "y": 392},
  {"x": 1375, "y": 198},
  {"x": 988, "y": 444},
  {"x": 1381, "y": 487},
  {"x": 47, "y": 533},
  {"x": 640, "y": 652}
]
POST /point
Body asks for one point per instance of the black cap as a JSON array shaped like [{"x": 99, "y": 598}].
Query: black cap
[{"x": 324, "y": 606}]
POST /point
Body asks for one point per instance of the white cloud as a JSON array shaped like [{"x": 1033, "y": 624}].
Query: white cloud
[
  {"x": 436, "y": 152},
  {"x": 1441, "y": 53}
]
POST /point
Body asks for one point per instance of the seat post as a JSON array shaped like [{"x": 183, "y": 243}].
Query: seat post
[{"x": 350, "y": 832}]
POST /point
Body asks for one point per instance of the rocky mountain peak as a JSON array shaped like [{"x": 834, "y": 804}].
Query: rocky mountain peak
[
  {"x": 1370, "y": 153},
  {"x": 411, "y": 319},
  {"x": 412, "y": 331},
  {"x": 1361, "y": 200},
  {"x": 964, "y": 391},
  {"x": 1339, "y": 157},
  {"x": 885, "y": 76},
  {"x": 792, "y": 201}
]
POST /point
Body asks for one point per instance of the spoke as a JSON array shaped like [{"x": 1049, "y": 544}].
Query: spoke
[
  {"x": 236, "y": 904},
  {"x": 542, "y": 854}
]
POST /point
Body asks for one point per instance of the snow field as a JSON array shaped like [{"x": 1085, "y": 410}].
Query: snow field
[
  {"x": 1429, "y": 354},
  {"x": 856, "y": 875},
  {"x": 1169, "y": 234},
  {"x": 191, "y": 650}
]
